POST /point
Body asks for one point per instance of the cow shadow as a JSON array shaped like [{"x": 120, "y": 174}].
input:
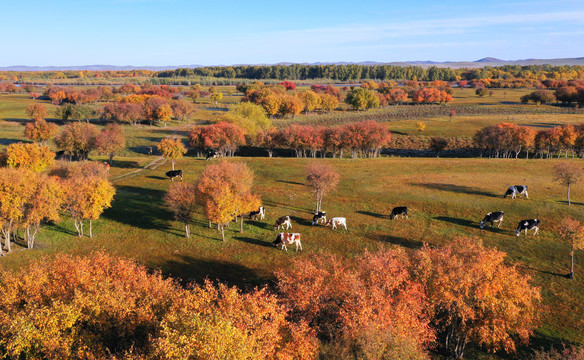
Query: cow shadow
[
  {"x": 461, "y": 189},
  {"x": 301, "y": 221},
  {"x": 156, "y": 177},
  {"x": 458, "y": 221},
  {"x": 399, "y": 241},
  {"x": 369, "y": 213},
  {"x": 187, "y": 269},
  {"x": 253, "y": 241}
]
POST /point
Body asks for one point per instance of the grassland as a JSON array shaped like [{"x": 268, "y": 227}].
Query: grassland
[{"x": 446, "y": 197}]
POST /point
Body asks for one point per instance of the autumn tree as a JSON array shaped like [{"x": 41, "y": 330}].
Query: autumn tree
[
  {"x": 41, "y": 131},
  {"x": 78, "y": 139},
  {"x": 310, "y": 100},
  {"x": 322, "y": 178},
  {"x": 74, "y": 112},
  {"x": 249, "y": 116},
  {"x": 182, "y": 201},
  {"x": 172, "y": 148},
  {"x": 86, "y": 197},
  {"x": 111, "y": 140},
  {"x": 36, "y": 111},
  {"x": 269, "y": 140},
  {"x": 328, "y": 102},
  {"x": 567, "y": 174},
  {"x": 357, "y": 311},
  {"x": 15, "y": 191},
  {"x": 421, "y": 126},
  {"x": 216, "y": 96},
  {"x": 474, "y": 297},
  {"x": 430, "y": 96},
  {"x": 223, "y": 137},
  {"x": 123, "y": 112},
  {"x": 539, "y": 97},
  {"x": 182, "y": 110},
  {"x": 30, "y": 156},
  {"x": 572, "y": 232},
  {"x": 225, "y": 191},
  {"x": 361, "y": 99},
  {"x": 42, "y": 205}
]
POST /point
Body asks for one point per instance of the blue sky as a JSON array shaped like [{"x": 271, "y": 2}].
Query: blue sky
[{"x": 222, "y": 32}]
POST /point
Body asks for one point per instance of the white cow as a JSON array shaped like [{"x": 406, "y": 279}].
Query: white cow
[{"x": 337, "y": 221}]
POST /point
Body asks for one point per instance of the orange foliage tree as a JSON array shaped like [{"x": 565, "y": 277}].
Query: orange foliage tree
[
  {"x": 431, "y": 95},
  {"x": 225, "y": 191},
  {"x": 567, "y": 174},
  {"x": 181, "y": 198},
  {"x": 172, "y": 148},
  {"x": 322, "y": 178},
  {"x": 356, "y": 310},
  {"x": 30, "y": 156},
  {"x": 474, "y": 297},
  {"x": 36, "y": 111},
  {"x": 78, "y": 139},
  {"x": 111, "y": 140},
  {"x": 41, "y": 131},
  {"x": 571, "y": 231}
]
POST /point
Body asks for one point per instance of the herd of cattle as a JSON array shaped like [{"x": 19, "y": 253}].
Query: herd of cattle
[{"x": 285, "y": 238}]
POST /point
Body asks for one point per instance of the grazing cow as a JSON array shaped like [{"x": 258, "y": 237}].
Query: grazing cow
[
  {"x": 319, "y": 216},
  {"x": 337, "y": 221},
  {"x": 516, "y": 190},
  {"x": 261, "y": 212},
  {"x": 174, "y": 173},
  {"x": 283, "y": 221},
  {"x": 400, "y": 210},
  {"x": 532, "y": 224},
  {"x": 492, "y": 217},
  {"x": 211, "y": 154},
  {"x": 288, "y": 239}
]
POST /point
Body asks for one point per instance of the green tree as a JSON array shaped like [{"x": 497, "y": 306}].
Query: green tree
[{"x": 361, "y": 99}]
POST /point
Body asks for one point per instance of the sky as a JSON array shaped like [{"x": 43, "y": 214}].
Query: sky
[{"x": 228, "y": 32}]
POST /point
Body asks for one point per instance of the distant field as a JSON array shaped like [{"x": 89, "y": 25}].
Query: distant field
[{"x": 446, "y": 197}]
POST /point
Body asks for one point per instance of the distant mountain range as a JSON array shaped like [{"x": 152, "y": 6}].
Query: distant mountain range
[{"x": 488, "y": 61}]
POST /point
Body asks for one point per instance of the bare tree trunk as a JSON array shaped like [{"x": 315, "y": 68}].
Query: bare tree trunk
[
  {"x": 187, "y": 230},
  {"x": 223, "y": 233},
  {"x": 172, "y": 161},
  {"x": 568, "y": 194},
  {"x": 90, "y": 228},
  {"x": 111, "y": 159}
]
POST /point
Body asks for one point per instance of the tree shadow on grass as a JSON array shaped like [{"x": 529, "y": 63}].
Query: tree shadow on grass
[
  {"x": 369, "y": 213},
  {"x": 187, "y": 269},
  {"x": 139, "y": 207},
  {"x": 524, "y": 267},
  {"x": 290, "y": 182},
  {"x": 62, "y": 229},
  {"x": 399, "y": 241},
  {"x": 284, "y": 206},
  {"x": 565, "y": 202},
  {"x": 253, "y": 241},
  {"x": 458, "y": 221},
  {"x": 126, "y": 164},
  {"x": 9, "y": 141},
  {"x": 461, "y": 189},
  {"x": 259, "y": 224}
]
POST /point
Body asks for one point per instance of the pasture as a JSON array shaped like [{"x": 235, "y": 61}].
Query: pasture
[{"x": 446, "y": 198}]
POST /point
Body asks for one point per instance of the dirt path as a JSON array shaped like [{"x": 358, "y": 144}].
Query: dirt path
[{"x": 153, "y": 165}]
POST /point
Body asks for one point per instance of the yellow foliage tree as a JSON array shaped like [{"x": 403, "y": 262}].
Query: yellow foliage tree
[
  {"x": 86, "y": 197},
  {"x": 172, "y": 148},
  {"x": 44, "y": 204},
  {"x": 15, "y": 192},
  {"x": 30, "y": 156}
]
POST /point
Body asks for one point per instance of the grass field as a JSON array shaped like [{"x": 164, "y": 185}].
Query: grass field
[{"x": 446, "y": 198}]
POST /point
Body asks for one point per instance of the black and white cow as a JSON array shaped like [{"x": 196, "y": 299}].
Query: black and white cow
[
  {"x": 211, "y": 154},
  {"x": 319, "y": 216},
  {"x": 400, "y": 210},
  {"x": 288, "y": 239},
  {"x": 492, "y": 217},
  {"x": 283, "y": 221},
  {"x": 337, "y": 221},
  {"x": 261, "y": 212},
  {"x": 532, "y": 224},
  {"x": 517, "y": 190},
  {"x": 174, "y": 173}
]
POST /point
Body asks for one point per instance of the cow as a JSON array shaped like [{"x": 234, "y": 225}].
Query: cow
[
  {"x": 400, "y": 210},
  {"x": 211, "y": 154},
  {"x": 283, "y": 221},
  {"x": 261, "y": 212},
  {"x": 337, "y": 221},
  {"x": 319, "y": 216},
  {"x": 532, "y": 224},
  {"x": 174, "y": 173},
  {"x": 516, "y": 190},
  {"x": 492, "y": 217},
  {"x": 288, "y": 238}
]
